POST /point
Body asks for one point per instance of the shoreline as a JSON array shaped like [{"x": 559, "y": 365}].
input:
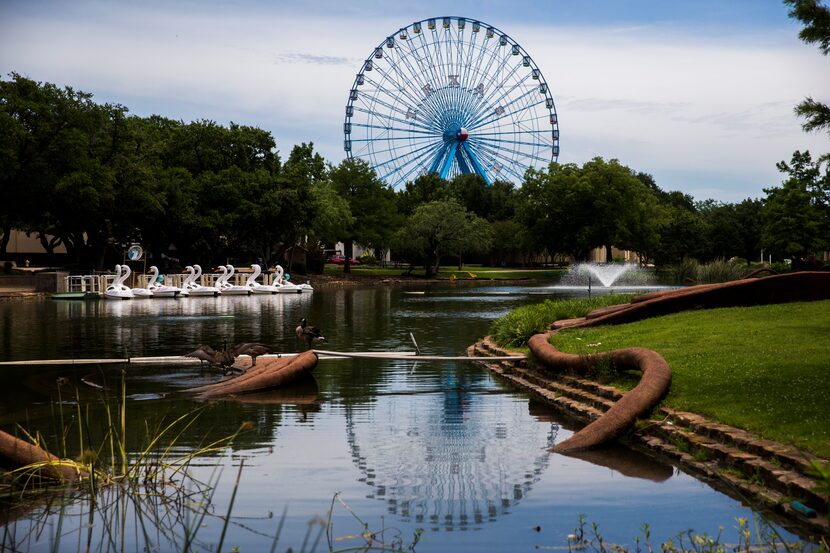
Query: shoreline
[
  {"x": 760, "y": 473},
  {"x": 323, "y": 281}
]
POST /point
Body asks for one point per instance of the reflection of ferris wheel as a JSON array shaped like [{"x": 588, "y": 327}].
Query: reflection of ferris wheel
[{"x": 449, "y": 96}]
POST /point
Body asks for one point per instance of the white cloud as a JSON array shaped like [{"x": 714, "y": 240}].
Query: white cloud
[{"x": 709, "y": 113}]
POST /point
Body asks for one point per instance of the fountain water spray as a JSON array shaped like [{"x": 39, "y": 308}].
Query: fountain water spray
[{"x": 606, "y": 274}]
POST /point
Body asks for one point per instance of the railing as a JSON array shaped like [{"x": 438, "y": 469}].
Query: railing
[{"x": 86, "y": 283}]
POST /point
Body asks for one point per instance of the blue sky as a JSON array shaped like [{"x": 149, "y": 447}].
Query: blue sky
[{"x": 698, "y": 93}]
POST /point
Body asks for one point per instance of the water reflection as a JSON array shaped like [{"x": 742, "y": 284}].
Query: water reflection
[
  {"x": 451, "y": 459},
  {"x": 443, "y": 447}
]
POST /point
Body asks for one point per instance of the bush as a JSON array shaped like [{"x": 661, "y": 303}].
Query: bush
[
  {"x": 689, "y": 271},
  {"x": 720, "y": 270},
  {"x": 685, "y": 271},
  {"x": 368, "y": 259},
  {"x": 780, "y": 267},
  {"x": 516, "y": 328}
]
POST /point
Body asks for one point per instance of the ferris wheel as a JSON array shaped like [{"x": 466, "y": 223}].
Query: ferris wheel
[{"x": 450, "y": 95}]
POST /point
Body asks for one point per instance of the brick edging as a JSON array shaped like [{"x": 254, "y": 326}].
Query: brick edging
[{"x": 753, "y": 470}]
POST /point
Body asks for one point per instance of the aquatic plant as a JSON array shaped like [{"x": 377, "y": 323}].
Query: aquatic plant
[
  {"x": 515, "y": 328},
  {"x": 759, "y": 537}
]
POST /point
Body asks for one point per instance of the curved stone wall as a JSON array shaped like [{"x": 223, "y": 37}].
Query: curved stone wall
[{"x": 656, "y": 379}]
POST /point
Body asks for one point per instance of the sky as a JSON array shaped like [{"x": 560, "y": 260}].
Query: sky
[{"x": 698, "y": 93}]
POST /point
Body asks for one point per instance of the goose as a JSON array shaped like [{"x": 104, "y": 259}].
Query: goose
[
  {"x": 225, "y": 357},
  {"x": 309, "y": 334}
]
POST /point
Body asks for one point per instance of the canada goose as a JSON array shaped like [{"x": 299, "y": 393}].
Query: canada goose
[
  {"x": 225, "y": 358},
  {"x": 309, "y": 334}
]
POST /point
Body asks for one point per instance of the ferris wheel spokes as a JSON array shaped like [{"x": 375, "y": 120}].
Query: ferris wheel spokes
[{"x": 450, "y": 96}]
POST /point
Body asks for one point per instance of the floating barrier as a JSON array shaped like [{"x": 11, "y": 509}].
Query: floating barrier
[{"x": 322, "y": 354}]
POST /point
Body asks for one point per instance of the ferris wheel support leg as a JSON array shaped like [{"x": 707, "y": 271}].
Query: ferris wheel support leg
[
  {"x": 445, "y": 169},
  {"x": 476, "y": 164},
  {"x": 439, "y": 156},
  {"x": 462, "y": 162}
]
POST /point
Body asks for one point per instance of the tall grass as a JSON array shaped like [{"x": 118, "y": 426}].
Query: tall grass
[
  {"x": 690, "y": 271},
  {"x": 516, "y": 328},
  {"x": 148, "y": 499},
  {"x": 755, "y": 536}
]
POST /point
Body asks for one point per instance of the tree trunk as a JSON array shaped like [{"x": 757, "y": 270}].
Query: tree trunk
[
  {"x": 428, "y": 267},
  {"x": 348, "y": 245},
  {"x": 4, "y": 239},
  {"x": 609, "y": 258}
]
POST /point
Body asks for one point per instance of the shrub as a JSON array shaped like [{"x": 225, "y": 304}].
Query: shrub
[
  {"x": 685, "y": 271},
  {"x": 515, "y": 328},
  {"x": 720, "y": 270},
  {"x": 368, "y": 259}
]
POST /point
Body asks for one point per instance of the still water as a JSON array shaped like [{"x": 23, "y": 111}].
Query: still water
[{"x": 441, "y": 447}]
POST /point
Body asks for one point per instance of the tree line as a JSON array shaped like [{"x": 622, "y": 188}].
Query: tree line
[{"x": 93, "y": 177}]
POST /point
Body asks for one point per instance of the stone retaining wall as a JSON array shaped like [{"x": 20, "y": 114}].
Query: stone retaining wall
[{"x": 761, "y": 473}]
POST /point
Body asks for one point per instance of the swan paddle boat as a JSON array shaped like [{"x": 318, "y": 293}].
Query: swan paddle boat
[
  {"x": 117, "y": 290},
  {"x": 160, "y": 290},
  {"x": 231, "y": 289},
  {"x": 196, "y": 289},
  {"x": 256, "y": 287}
]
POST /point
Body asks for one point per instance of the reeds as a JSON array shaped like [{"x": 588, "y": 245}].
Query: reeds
[
  {"x": 690, "y": 271},
  {"x": 759, "y": 537},
  {"x": 516, "y": 328}
]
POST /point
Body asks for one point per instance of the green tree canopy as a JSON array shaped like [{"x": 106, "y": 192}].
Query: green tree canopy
[
  {"x": 372, "y": 204},
  {"x": 816, "y": 19},
  {"x": 797, "y": 214},
  {"x": 439, "y": 228},
  {"x": 572, "y": 209}
]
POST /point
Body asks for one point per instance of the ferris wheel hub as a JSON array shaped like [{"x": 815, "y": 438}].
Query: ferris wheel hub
[{"x": 462, "y": 134}]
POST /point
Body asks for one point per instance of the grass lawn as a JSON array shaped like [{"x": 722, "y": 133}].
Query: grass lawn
[
  {"x": 466, "y": 273},
  {"x": 765, "y": 369}
]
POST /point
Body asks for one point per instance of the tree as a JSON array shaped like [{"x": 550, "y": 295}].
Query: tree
[
  {"x": 797, "y": 215},
  {"x": 424, "y": 189},
  {"x": 438, "y": 228},
  {"x": 573, "y": 210},
  {"x": 816, "y": 19},
  {"x": 682, "y": 232},
  {"x": 493, "y": 202},
  {"x": 372, "y": 204}
]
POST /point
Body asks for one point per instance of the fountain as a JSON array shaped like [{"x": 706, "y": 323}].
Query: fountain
[
  {"x": 606, "y": 273},
  {"x": 605, "y": 277}
]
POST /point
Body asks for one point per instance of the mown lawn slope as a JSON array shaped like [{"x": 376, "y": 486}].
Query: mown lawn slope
[{"x": 765, "y": 369}]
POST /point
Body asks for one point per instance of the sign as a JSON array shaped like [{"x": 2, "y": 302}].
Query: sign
[{"x": 135, "y": 252}]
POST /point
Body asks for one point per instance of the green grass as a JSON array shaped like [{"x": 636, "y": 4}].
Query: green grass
[
  {"x": 447, "y": 271},
  {"x": 765, "y": 369},
  {"x": 514, "y": 329}
]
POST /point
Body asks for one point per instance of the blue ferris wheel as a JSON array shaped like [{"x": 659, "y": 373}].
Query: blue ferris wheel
[{"x": 450, "y": 95}]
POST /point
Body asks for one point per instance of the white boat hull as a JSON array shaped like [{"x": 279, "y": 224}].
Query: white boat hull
[
  {"x": 290, "y": 289},
  {"x": 236, "y": 291}
]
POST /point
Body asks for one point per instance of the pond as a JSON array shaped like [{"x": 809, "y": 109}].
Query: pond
[{"x": 442, "y": 448}]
